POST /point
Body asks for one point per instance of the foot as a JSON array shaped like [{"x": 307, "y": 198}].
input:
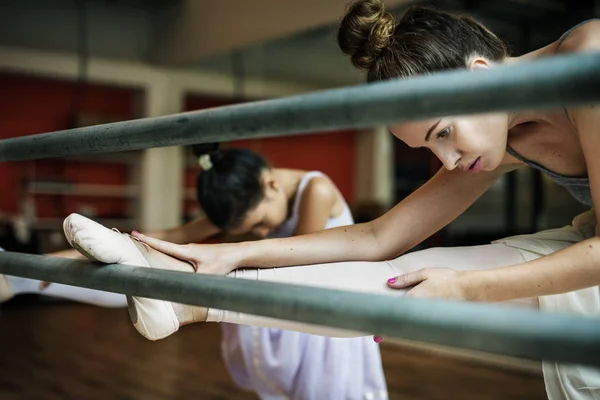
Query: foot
[
  {"x": 6, "y": 292},
  {"x": 154, "y": 319}
]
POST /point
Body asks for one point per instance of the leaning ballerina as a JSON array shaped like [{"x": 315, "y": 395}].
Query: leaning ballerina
[{"x": 239, "y": 193}]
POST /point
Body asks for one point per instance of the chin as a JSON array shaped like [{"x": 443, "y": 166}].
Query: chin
[{"x": 487, "y": 166}]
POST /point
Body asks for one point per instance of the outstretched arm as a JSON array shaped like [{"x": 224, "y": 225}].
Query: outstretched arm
[{"x": 420, "y": 215}]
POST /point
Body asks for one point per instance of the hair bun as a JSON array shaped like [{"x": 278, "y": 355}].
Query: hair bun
[
  {"x": 204, "y": 148},
  {"x": 365, "y": 32},
  {"x": 208, "y": 155}
]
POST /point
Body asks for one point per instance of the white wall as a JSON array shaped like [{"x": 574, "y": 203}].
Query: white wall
[{"x": 374, "y": 167}]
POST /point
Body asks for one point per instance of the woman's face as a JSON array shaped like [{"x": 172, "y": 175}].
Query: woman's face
[
  {"x": 473, "y": 143},
  {"x": 269, "y": 213}
]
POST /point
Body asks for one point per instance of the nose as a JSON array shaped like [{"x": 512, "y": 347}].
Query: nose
[{"x": 449, "y": 159}]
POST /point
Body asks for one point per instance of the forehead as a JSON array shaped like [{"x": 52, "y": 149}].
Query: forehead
[
  {"x": 251, "y": 218},
  {"x": 413, "y": 133}
]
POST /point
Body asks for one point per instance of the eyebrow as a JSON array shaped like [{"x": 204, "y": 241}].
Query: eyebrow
[{"x": 431, "y": 130}]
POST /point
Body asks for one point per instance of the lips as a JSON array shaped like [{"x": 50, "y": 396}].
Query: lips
[{"x": 475, "y": 166}]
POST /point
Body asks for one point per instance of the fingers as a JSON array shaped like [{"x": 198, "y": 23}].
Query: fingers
[
  {"x": 182, "y": 252},
  {"x": 404, "y": 281},
  {"x": 407, "y": 280},
  {"x": 416, "y": 293}
]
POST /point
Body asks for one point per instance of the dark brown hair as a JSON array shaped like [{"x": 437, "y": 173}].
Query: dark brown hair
[
  {"x": 232, "y": 186},
  {"x": 425, "y": 40}
]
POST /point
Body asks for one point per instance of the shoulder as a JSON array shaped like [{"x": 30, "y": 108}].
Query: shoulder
[
  {"x": 582, "y": 38},
  {"x": 319, "y": 188}
]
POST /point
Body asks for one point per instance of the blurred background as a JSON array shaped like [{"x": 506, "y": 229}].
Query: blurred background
[{"x": 72, "y": 63}]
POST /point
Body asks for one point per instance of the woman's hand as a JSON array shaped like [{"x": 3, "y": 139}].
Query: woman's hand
[
  {"x": 205, "y": 258},
  {"x": 442, "y": 283}
]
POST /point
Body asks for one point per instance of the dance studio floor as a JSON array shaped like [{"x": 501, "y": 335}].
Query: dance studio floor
[{"x": 72, "y": 351}]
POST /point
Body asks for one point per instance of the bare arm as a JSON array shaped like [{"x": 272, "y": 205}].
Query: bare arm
[
  {"x": 431, "y": 207},
  {"x": 316, "y": 204}
]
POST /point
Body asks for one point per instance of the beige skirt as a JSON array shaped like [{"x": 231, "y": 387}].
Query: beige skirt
[{"x": 565, "y": 381}]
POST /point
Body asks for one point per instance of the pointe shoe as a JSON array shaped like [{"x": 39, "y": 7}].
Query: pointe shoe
[
  {"x": 6, "y": 292},
  {"x": 153, "y": 319}
]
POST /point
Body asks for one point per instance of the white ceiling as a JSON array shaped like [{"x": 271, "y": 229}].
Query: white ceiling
[
  {"x": 309, "y": 57},
  {"x": 128, "y": 29}
]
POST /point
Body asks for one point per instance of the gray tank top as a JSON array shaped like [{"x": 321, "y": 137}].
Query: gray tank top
[{"x": 578, "y": 187}]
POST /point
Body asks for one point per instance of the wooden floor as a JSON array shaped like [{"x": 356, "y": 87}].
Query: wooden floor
[{"x": 73, "y": 351}]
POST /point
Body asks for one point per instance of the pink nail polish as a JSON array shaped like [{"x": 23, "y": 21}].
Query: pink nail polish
[
  {"x": 135, "y": 232},
  {"x": 392, "y": 280},
  {"x": 377, "y": 339}
]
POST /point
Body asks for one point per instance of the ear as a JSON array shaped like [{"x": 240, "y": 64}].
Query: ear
[
  {"x": 478, "y": 63},
  {"x": 271, "y": 185}
]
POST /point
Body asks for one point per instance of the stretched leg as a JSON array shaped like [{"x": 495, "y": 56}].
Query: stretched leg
[
  {"x": 110, "y": 247},
  {"x": 370, "y": 277},
  {"x": 467, "y": 258}
]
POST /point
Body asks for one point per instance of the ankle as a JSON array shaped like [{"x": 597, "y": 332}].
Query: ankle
[
  {"x": 187, "y": 314},
  {"x": 159, "y": 260}
]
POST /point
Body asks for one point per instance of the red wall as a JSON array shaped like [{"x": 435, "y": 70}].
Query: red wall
[
  {"x": 331, "y": 153},
  {"x": 34, "y": 105}
]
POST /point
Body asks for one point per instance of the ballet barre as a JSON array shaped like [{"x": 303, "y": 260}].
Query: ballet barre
[
  {"x": 552, "y": 82},
  {"x": 494, "y": 329}
]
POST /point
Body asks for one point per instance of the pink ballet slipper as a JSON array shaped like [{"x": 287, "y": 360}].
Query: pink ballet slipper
[{"x": 154, "y": 319}]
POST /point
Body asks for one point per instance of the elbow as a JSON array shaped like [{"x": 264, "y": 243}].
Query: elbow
[
  {"x": 594, "y": 245},
  {"x": 379, "y": 244}
]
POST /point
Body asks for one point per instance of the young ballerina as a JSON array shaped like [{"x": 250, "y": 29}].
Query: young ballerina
[
  {"x": 239, "y": 193},
  {"x": 557, "y": 269}
]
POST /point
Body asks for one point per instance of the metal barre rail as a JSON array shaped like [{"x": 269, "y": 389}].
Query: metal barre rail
[
  {"x": 546, "y": 83},
  {"x": 489, "y": 328}
]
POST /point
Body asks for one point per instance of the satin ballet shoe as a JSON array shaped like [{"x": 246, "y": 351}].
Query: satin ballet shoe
[{"x": 153, "y": 319}]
